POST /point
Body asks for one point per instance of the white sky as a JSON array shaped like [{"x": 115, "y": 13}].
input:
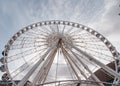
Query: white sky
[{"x": 101, "y": 15}]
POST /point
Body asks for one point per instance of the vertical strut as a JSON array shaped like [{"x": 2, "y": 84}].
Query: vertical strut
[
  {"x": 87, "y": 68},
  {"x": 26, "y": 77},
  {"x": 66, "y": 57},
  {"x": 72, "y": 59},
  {"x": 107, "y": 69},
  {"x": 46, "y": 66}
]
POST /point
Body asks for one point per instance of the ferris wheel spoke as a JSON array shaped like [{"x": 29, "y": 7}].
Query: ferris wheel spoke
[
  {"x": 43, "y": 70},
  {"x": 69, "y": 30},
  {"x": 48, "y": 30},
  {"x": 57, "y": 29},
  {"x": 30, "y": 38},
  {"x": 23, "y": 54},
  {"x": 95, "y": 51},
  {"x": 32, "y": 34},
  {"x": 26, "y": 65},
  {"x": 23, "y": 81},
  {"x": 47, "y": 67},
  {"x": 51, "y": 28},
  {"x": 54, "y": 29},
  {"x": 79, "y": 37},
  {"x": 98, "y": 45},
  {"x": 45, "y": 29},
  {"x": 102, "y": 58},
  {"x": 70, "y": 63},
  {"x": 26, "y": 45},
  {"x": 86, "y": 39},
  {"x": 76, "y": 64},
  {"x": 107, "y": 69},
  {"x": 75, "y": 32},
  {"x": 26, "y": 39},
  {"x": 108, "y": 58},
  {"x": 87, "y": 68},
  {"x": 41, "y": 31},
  {"x": 63, "y": 29},
  {"x": 91, "y": 47},
  {"x": 85, "y": 59},
  {"x": 81, "y": 34}
]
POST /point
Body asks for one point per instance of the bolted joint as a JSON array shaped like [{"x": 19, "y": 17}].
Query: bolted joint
[
  {"x": 3, "y": 60},
  {"x": 5, "y": 77},
  {"x": 2, "y": 68},
  {"x": 4, "y": 53}
]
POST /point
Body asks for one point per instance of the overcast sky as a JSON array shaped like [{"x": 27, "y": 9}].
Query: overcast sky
[{"x": 101, "y": 15}]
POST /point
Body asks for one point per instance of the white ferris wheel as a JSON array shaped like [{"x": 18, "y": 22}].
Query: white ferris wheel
[{"x": 59, "y": 53}]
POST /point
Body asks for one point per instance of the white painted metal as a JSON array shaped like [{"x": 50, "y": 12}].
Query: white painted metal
[
  {"x": 111, "y": 71},
  {"x": 49, "y": 36},
  {"x": 23, "y": 81},
  {"x": 72, "y": 66},
  {"x": 86, "y": 67},
  {"x": 42, "y": 70}
]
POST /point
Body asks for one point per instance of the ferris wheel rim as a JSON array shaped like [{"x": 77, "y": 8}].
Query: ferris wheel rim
[{"x": 50, "y": 22}]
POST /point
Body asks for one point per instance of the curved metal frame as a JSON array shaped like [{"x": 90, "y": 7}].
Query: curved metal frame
[{"x": 60, "y": 22}]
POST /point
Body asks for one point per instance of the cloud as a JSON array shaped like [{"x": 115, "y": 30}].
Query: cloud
[
  {"x": 73, "y": 10},
  {"x": 108, "y": 23}
]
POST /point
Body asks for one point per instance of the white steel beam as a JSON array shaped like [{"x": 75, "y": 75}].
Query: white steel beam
[
  {"x": 70, "y": 63},
  {"x": 25, "y": 78},
  {"x": 73, "y": 60},
  {"x": 48, "y": 68},
  {"x": 87, "y": 68},
  {"x": 106, "y": 68}
]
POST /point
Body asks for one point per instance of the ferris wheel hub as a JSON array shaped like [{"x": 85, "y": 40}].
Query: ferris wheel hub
[{"x": 62, "y": 38}]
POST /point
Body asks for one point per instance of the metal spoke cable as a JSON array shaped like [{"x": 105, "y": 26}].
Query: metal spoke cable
[
  {"x": 34, "y": 34},
  {"x": 74, "y": 62},
  {"x": 23, "y": 81},
  {"x": 63, "y": 30},
  {"x": 47, "y": 68},
  {"x": 88, "y": 49},
  {"x": 87, "y": 68},
  {"x": 26, "y": 45},
  {"x": 26, "y": 64},
  {"x": 93, "y": 47},
  {"x": 57, "y": 65},
  {"x": 26, "y": 53},
  {"x": 71, "y": 71},
  {"x": 111, "y": 71},
  {"x": 69, "y": 30},
  {"x": 85, "y": 60},
  {"x": 39, "y": 74},
  {"x": 71, "y": 64},
  {"x": 44, "y": 30},
  {"x": 47, "y": 29},
  {"x": 98, "y": 45}
]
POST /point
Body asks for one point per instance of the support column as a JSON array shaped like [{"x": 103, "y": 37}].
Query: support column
[
  {"x": 70, "y": 63},
  {"x": 26, "y": 77},
  {"x": 87, "y": 68},
  {"x": 107, "y": 69}
]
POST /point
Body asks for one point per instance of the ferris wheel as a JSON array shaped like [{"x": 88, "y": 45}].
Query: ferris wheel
[{"x": 59, "y": 53}]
